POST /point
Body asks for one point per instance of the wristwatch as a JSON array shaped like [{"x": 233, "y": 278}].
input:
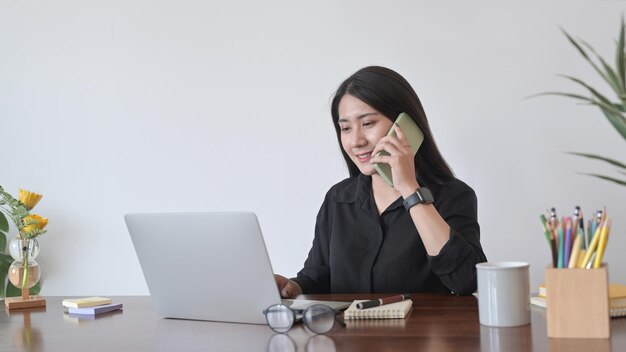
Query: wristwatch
[{"x": 421, "y": 196}]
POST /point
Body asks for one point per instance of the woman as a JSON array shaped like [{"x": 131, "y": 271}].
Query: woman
[{"x": 366, "y": 239}]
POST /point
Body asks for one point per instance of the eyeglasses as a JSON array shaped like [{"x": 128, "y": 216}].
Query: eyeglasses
[{"x": 318, "y": 318}]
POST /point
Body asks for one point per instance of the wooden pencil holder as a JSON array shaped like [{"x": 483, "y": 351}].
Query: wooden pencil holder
[{"x": 578, "y": 303}]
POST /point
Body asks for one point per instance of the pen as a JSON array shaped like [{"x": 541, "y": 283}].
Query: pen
[{"x": 381, "y": 301}]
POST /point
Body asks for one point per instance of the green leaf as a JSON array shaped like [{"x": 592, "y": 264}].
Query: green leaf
[
  {"x": 609, "y": 75},
  {"x": 614, "y": 81},
  {"x": 577, "y": 46},
  {"x": 597, "y": 157},
  {"x": 602, "y": 105},
  {"x": 5, "y": 263},
  {"x": 35, "y": 289},
  {"x": 607, "y": 178},
  {"x": 4, "y": 224},
  {"x": 617, "y": 120},
  {"x": 619, "y": 56},
  {"x": 3, "y": 242},
  {"x": 568, "y": 95},
  {"x": 5, "y": 258},
  {"x": 608, "y": 107},
  {"x": 593, "y": 91},
  {"x": 4, "y": 270},
  {"x": 12, "y": 291},
  {"x": 583, "y": 53}
]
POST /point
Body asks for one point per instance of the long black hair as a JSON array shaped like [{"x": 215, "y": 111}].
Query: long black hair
[{"x": 390, "y": 94}]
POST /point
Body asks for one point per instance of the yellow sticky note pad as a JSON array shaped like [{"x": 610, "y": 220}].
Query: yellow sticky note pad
[{"x": 86, "y": 302}]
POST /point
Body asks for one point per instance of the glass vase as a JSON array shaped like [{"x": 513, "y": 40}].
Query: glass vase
[{"x": 24, "y": 272}]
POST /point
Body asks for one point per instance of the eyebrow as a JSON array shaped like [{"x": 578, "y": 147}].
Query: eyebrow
[{"x": 343, "y": 119}]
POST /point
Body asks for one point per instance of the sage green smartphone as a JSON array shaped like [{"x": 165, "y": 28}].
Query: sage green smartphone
[{"x": 414, "y": 136}]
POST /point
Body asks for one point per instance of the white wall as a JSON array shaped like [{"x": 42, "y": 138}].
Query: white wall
[{"x": 110, "y": 107}]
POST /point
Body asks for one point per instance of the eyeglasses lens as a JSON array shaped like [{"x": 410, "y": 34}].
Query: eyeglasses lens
[
  {"x": 280, "y": 318},
  {"x": 319, "y": 319}
]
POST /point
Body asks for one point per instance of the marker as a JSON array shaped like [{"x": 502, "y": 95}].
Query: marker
[{"x": 381, "y": 301}]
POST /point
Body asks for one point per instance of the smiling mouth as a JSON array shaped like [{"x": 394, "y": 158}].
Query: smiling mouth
[{"x": 363, "y": 157}]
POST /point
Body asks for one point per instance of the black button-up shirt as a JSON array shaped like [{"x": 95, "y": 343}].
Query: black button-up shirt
[{"x": 356, "y": 250}]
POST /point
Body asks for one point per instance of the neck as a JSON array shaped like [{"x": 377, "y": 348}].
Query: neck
[
  {"x": 379, "y": 186},
  {"x": 383, "y": 194}
]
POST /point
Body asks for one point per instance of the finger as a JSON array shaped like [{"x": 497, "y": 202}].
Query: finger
[
  {"x": 403, "y": 141},
  {"x": 400, "y": 134},
  {"x": 289, "y": 290},
  {"x": 385, "y": 159},
  {"x": 392, "y": 147},
  {"x": 381, "y": 144},
  {"x": 281, "y": 281},
  {"x": 295, "y": 290},
  {"x": 377, "y": 149},
  {"x": 402, "y": 146}
]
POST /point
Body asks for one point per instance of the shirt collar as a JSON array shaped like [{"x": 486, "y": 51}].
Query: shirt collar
[{"x": 359, "y": 190}]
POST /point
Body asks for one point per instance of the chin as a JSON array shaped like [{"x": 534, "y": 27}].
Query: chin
[{"x": 367, "y": 170}]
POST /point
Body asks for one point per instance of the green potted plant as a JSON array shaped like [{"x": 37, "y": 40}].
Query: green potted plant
[{"x": 613, "y": 110}]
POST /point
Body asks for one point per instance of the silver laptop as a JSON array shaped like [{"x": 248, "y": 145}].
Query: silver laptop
[{"x": 207, "y": 266}]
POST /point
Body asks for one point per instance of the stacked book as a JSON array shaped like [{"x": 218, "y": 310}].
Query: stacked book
[
  {"x": 90, "y": 305},
  {"x": 617, "y": 299}
]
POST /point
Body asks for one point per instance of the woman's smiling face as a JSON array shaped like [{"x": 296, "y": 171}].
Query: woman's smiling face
[{"x": 361, "y": 128}]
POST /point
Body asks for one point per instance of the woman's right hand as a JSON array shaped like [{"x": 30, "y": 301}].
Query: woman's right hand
[{"x": 286, "y": 287}]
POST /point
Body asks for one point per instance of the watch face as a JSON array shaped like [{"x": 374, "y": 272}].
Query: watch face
[
  {"x": 421, "y": 196},
  {"x": 426, "y": 195}
]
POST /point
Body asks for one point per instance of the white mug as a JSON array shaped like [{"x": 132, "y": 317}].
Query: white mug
[{"x": 503, "y": 293}]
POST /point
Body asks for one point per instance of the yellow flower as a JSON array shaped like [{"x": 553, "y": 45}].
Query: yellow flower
[
  {"x": 33, "y": 222},
  {"x": 29, "y": 199}
]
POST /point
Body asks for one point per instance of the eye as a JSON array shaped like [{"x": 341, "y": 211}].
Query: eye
[
  {"x": 369, "y": 123},
  {"x": 344, "y": 129}
]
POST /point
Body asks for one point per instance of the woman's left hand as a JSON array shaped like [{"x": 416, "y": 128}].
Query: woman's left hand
[{"x": 400, "y": 159}]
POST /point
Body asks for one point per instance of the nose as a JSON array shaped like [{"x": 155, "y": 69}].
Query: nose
[{"x": 357, "y": 138}]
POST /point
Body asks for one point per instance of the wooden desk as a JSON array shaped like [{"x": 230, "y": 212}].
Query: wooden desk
[{"x": 436, "y": 323}]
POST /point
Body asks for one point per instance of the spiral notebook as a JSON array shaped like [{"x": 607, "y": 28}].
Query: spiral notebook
[{"x": 398, "y": 310}]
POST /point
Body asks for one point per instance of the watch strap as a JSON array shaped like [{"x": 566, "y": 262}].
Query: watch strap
[{"x": 421, "y": 196}]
